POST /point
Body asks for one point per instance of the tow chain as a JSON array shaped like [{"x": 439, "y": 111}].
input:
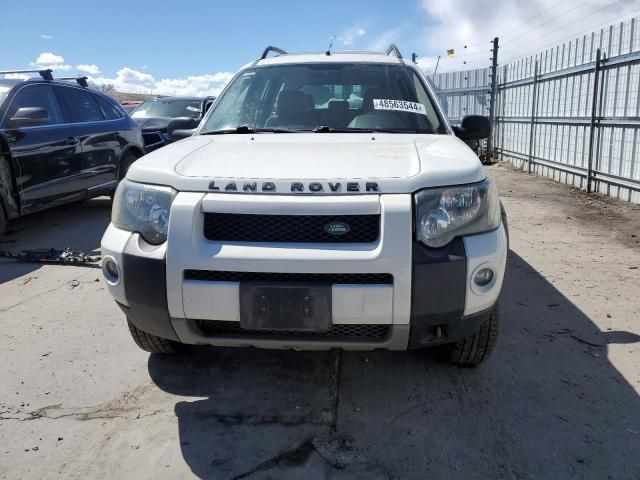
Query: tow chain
[{"x": 51, "y": 255}]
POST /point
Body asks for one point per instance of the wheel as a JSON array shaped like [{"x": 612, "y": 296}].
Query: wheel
[
  {"x": 151, "y": 343},
  {"x": 474, "y": 349},
  {"x": 125, "y": 163}
]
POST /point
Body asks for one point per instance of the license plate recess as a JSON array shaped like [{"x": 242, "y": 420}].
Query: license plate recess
[{"x": 292, "y": 307}]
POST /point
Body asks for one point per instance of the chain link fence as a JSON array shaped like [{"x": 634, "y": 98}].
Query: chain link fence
[{"x": 571, "y": 112}]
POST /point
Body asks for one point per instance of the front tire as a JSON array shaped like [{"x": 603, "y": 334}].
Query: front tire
[
  {"x": 474, "y": 349},
  {"x": 151, "y": 343}
]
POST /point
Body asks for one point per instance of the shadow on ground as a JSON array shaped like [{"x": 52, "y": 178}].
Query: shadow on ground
[
  {"x": 79, "y": 226},
  {"x": 548, "y": 404}
]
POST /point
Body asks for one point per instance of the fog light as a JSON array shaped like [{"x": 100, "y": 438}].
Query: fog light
[
  {"x": 483, "y": 277},
  {"x": 111, "y": 270}
]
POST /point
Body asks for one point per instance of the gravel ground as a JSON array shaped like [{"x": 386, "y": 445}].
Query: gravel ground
[{"x": 558, "y": 399}]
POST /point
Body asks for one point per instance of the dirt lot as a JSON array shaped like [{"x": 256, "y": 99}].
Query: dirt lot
[{"x": 559, "y": 398}]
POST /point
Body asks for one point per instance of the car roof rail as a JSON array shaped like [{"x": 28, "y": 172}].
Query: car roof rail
[
  {"x": 394, "y": 49},
  {"x": 82, "y": 81},
  {"x": 271, "y": 48},
  {"x": 46, "y": 73}
]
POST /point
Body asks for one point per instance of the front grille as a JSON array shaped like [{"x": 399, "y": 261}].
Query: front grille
[
  {"x": 217, "y": 328},
  {"x": 276, "y": 277},
  {"x": 231, "y": 227}
]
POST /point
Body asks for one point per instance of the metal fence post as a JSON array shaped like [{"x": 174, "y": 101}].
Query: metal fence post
[
  {"x": 592, "y": 125},
  {"x": 533, "y": 115},
  {"x": 492, "y": 97}
]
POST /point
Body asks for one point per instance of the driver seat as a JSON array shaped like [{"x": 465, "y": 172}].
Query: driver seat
[{"x": 292, "y": 108}]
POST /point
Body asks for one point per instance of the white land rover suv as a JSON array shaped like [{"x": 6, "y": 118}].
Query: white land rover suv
[{"x": 324, "y": 201}]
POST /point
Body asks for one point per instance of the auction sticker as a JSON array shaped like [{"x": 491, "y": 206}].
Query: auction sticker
[{"x": 399, "y": 105}]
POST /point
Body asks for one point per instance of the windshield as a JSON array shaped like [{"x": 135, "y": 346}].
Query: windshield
[
  {"x": 336, "y": 96},
  {"x": 169, "y": 108}
]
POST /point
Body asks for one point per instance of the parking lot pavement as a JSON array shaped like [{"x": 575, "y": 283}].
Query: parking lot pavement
[{"x": 558, "y": 399}]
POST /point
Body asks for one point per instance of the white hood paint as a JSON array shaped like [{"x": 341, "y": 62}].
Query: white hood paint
[{"x": 398, "y": 163}]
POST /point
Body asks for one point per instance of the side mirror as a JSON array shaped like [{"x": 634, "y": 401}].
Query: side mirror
[
  {"x": 181, "y": 133},
  {"x": 181, "y": 127},
  {"x": 473, "y": 127},
  {"x": 29, "y": 117}
]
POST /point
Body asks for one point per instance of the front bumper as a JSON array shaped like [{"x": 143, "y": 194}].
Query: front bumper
[{"x": 430, "y": 302}]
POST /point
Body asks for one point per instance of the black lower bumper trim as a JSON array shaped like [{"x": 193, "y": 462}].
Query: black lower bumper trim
[
  {"x": 438, "y": 290},
  {"x": 145, "y": 288}
]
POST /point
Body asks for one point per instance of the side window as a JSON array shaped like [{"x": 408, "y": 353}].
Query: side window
[
  {"x": 80, "y": 105},
  {"x": 41, "y": 96},
  {"x": 109, "y": 110}
]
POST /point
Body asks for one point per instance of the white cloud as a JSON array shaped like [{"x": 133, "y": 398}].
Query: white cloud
[
  {"x": 427, "y": 64},
  {"x": 386, "y": 38},
  {"x": 350, "y": 35},
  {"x": 134, "y": 81},
  {"x": 52, "y": 61},
  {"x": 49, "y": 58},
  {"x": 196, "y": 85},
  {"x": 45, "y": 36},
  {"x": 128, "y": 80},
  {"x": 91, "y": 69},
  {"x": 524, "y": 28},
  {"x": 17, "y": 76}
]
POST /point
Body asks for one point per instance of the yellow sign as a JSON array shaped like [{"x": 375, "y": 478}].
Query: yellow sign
[{"x": 450, "y": 53}]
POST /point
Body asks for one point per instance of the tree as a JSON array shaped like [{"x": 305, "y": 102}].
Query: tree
[{"x": 107, "y": 87}]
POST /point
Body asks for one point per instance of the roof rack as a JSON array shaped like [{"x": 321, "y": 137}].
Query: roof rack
[
  {"x": 393, "y": 49},
  {"x": 46, "y": 73},
  {"x": 271, "y": 48},
  {"x": 82, "y": 81}
]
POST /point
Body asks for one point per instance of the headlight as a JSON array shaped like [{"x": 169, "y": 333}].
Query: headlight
[
  {"x": 144, "y": 209},
  {"x": 445, "y": 213}
]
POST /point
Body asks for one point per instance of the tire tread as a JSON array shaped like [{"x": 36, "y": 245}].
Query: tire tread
[
  {"x": 474, "y": 349},
  {"x": 151, "y": 343}
]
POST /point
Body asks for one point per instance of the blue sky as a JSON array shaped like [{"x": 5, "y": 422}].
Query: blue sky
[
  {"x": 193, "y": 46},
  {"x": 167, "y": 41},
  {"x": 194, "y": 36}
]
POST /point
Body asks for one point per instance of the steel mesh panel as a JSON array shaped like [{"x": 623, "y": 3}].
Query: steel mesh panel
[
  {"x": 277, "y": 277},
  {"x": 219, "y": 328},
  {"x": 231, "y": 227}
]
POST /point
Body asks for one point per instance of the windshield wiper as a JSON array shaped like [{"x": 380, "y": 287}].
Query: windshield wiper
[
  {"x": 327, "y": 129},
  {"x": 247, "y": 129}
]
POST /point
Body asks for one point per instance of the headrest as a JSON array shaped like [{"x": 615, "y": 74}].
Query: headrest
[{"x": 291, "y": 101}]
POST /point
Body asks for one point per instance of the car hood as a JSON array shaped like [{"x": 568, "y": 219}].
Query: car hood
[
  {"x": 395, "y": 163},
  {"x": 152, "y": 124}
]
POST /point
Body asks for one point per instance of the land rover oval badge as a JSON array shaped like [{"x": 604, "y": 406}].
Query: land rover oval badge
[{"x": 337, "y": 228}]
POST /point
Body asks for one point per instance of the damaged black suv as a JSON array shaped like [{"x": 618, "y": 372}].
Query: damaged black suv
[{"x": 60, "y": 142}]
